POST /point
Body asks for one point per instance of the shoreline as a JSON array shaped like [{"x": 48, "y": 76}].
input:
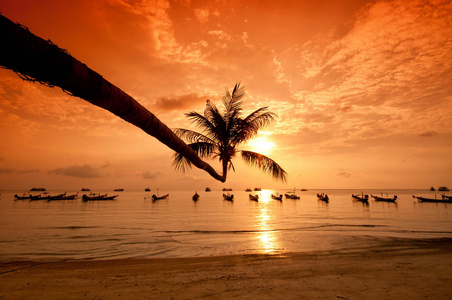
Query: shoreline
[{"x": 394, "y": 269}]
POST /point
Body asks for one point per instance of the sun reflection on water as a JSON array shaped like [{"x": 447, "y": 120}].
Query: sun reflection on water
[{"x": 265, "y": 222}]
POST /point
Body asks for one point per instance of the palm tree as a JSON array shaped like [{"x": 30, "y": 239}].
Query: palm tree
[
  {"x": 37, "y": 60},
  {"x": 224, "y": 131}
]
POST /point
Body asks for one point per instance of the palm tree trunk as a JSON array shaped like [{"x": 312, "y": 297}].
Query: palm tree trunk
[{"x": 42, "y": 61}]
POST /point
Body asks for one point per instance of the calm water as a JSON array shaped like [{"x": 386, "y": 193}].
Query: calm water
[{"x": 177, "y": 227}]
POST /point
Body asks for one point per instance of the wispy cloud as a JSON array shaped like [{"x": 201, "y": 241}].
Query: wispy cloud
[{"x": 79, "y": 171}]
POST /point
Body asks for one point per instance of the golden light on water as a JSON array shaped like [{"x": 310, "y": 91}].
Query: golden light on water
[{"x": 265, "y": 220}]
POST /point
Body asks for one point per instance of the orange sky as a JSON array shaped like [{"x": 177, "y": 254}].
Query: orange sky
[{"x": 363, "y": 90}]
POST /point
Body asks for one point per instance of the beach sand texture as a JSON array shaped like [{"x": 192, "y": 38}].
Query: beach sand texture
[{"x": 402, "y": 269}]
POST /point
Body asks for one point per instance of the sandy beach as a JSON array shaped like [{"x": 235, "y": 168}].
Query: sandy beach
[{"x": 397, "y": 269}]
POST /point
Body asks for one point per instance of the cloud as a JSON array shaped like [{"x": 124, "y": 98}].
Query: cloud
[
  {"x": 6, "y": 171},
  {"x": 344, "y": 174},
  {"x": 182, "y": 102},
  {"x": 428, "y": 134},
  {"x": 150, "y": 175},
  {"x": 85, "y": 171}
]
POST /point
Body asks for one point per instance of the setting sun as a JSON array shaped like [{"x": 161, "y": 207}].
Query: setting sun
[{"x": 261, "y": 145}]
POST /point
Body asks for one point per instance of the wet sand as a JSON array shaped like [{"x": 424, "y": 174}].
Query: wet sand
[{"x": 395, "y": 269}]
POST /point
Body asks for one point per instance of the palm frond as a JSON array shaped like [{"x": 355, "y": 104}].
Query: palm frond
[
  {"x": 265, "y": 164},
  {"x": 249, "y": 127},
  {"x": 191, "y": 136},
  {"x": 233, "y": 102},
  {"x": 211, "y": 128},
  {"x": 203, "y": 150}
]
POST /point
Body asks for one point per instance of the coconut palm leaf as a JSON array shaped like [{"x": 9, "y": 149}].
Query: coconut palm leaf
[
  {"x": 202, "y": 149},
  {"x": 191, "y": 136},
  {"x": 264, "y": 164}
]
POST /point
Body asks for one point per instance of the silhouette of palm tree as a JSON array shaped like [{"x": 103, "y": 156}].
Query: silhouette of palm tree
[
  {"x": 35, "y": 59},
  {"x": 224, "y": 131}
]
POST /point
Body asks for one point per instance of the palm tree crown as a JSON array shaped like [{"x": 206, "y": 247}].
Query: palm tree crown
[{"x": 223, "y": 131}]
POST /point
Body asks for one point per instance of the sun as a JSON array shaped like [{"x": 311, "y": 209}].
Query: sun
[{"x": 261, "y": 145}]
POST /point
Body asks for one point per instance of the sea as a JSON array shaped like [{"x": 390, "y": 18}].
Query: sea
[{"x": 134, "y": 226}]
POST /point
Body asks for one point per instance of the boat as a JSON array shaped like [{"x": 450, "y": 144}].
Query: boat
[
  {"x": 38, "y": 190},
  {"x": 86, "y": 190},
  {"x": 432, "y": 189},
  {"x": 323, "y": 197},
  {"x": 63, "y": 197},
  {"x": 446, "y": 197},
  {"x": 304, "y": 190},
  {"x": 154, "y": 197},
  {"x": 195, "y": 196},
  {"x": 248, "y": 190},
  {"x": 227, "y": 190},
  {"x": 291, "y": 195},
  {"x": 442, "y": 200},
  {"x": 228, "y": 197},
  {"x": 254, "y": 197},
  {"x": 257, "y": 189},
  {"x": 97, "y": 197},
  {"x": 277, "y": 197},
  {"x": 208, "y": 189},
  {"x": 386, "y": 199},
  {"x": 39, "y": 197},
  {"x": 443, "y": 189},
  {"x": 362, "y": 198},
  {"x": 147, "y": 189},
  {"x": 23, "y": 197},
  {"x": 119, "y": 190}
]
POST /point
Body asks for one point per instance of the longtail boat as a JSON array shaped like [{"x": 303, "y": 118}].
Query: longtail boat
[
  {"x": 423, "y": 199},
  {"x": 386, "y": 199},
  {"x": 98, "y": 197},
  {"x": 254, "y": 197},
  {"x": 323, "y": 197},
  {"x": 362, "y": 198},
  {"x": 228, "y": 197}
]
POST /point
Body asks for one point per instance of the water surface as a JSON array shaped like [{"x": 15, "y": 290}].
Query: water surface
[{"x": 135, "y": 227}]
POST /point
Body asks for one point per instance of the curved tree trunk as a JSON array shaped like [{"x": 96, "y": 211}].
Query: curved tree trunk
[{"x": 42, "y": 61}]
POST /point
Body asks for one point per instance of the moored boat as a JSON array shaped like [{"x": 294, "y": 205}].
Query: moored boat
[
  {"x": 208, "y": 189},
  {"x": 443, "y": 189},
  {"x": 97, "y": 197},
  {"x": 386, "y": 199},
  {"x": 119, "y": 190},
  {"x": 248, "y": 190},
  {"x": 195, "y": 196},
  {"x": 277, "y": 197},
  {"x": 323, "y": 197},
  {"x": 445, "y": 197},
  {"x": 442, "y": 200},
  {"x": 257, "y": 189},
  {"x": 154, "y": 197},
  {"x": 254, "y": 197},
  {"x": 227, "y": 189},
  {"x": 228, "y": 197},
  {"x": 23, "y": 197},
  {"x": 63, "y": 197},
  {"x": 362, "y": 198},
  {"x": 147, "y": 189}
]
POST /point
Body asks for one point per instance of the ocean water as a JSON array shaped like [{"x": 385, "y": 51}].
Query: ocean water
[{"x": 135, "y": 227}]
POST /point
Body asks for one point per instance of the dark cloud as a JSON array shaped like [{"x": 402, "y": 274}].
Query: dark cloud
[
  {"x": 180, "y": 102},
  {"x": 344, "y": 174},
  {"x": 28, "y": 171},
  {"x": 150, "y": 175},
  {"x": 428, "y": 133},
  {"x": 85, "y": 171},
  {"x": 6, "y": 171}
]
